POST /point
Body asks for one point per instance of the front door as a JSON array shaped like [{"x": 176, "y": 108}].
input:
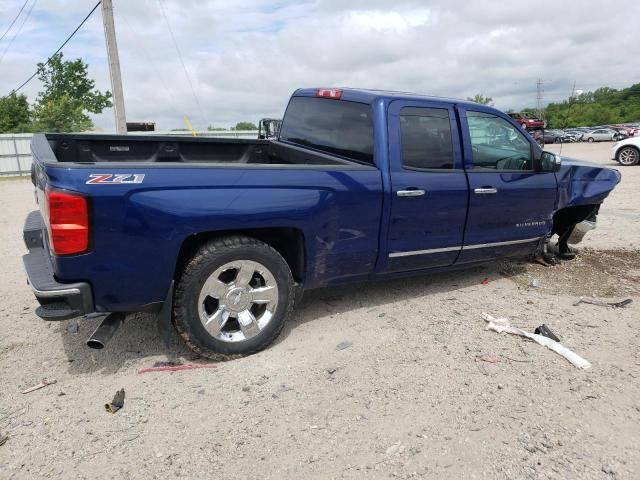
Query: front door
[
  {"x": 510, "y": 204},
  {"x": 428, "y": 186}
]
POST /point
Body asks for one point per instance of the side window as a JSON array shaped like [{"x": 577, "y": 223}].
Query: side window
[
  {"x": 426, "y": 138},
  {"x": 496, "y": 144},
  {"x": 337, "y": 127}
]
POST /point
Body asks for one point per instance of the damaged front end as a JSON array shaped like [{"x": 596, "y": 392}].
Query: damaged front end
[{"x": 582, "y": 187}]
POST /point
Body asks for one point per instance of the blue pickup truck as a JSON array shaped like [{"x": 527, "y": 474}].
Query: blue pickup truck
[{"x": 220, "y": 236}]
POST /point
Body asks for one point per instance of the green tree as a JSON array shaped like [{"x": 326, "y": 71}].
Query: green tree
[
  {"x": 245, "y": 126},
  {"x": 68, "y": 95},
  {"x": 15, "y": 115},
  {"x": 602, "y": 106},
  {"x": 481, "y": 99}
]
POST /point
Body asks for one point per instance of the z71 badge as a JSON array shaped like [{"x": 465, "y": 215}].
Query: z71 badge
[{"x": 115, "y": 178}]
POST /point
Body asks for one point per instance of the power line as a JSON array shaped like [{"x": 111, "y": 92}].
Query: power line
[
  {"x": 14, "y": 20},
  {"x": 19, "y": 30},
  {"x": 60, "y": 47},
  {"x": 186, "y": 72}
]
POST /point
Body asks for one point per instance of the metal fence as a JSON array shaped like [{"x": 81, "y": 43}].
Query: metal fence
[
  {"x": 15, "y": 154},
  {"x": 15, "y": 148}
]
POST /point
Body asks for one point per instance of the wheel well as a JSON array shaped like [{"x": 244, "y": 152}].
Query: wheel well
[
  {"x": 627, "y": 146},
  {"x": 568, "y": 217},
  {"x": 288, "y": 242}
]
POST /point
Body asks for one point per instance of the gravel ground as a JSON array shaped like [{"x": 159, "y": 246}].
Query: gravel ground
[{"x": 421, "y": 390}]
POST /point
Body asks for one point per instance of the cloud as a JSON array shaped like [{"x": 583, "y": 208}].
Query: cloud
[{"x": 246, "y": 58}]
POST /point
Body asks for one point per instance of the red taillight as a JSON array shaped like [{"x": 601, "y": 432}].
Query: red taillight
[
  {"x": 68, "y": 223},
  {"x": 329, "y": 93}
]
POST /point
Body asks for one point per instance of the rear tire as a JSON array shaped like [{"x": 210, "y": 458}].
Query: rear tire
[
  {"x": 628, "y": 156},
  {"x": 218, "y": 314}
]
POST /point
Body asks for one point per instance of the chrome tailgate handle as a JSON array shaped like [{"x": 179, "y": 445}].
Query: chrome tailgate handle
[
  {"x": 485, "y": 191},
  {"x": 410, "y": 193}
]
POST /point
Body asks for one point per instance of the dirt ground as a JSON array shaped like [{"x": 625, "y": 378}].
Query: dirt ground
[{"x": 421, "y": 391}]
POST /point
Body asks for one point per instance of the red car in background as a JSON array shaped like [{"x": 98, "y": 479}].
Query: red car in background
[{"x": 526, "y": 122}]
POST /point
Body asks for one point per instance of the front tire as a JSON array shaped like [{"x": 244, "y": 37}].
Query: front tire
[
  {"x": 233, "y": 298},
  {"x": 590, "y": 140},
  {"x": 628, "y": 156}
]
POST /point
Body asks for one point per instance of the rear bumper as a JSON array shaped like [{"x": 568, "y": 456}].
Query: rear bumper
[{"x": 58, "y": 301}]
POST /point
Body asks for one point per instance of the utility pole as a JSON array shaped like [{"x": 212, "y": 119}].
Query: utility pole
[
  {"x": 539, "y": 93},
  {"x": 114, "y": 66}
]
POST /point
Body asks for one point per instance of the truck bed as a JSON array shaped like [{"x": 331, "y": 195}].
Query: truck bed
[{"x": 145, "y": 149}]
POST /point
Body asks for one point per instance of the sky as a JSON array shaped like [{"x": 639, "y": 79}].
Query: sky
[{"x": 245, "y": 58}]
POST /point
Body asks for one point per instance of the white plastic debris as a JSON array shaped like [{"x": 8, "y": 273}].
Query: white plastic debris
[{"x": 502, "y": 325}]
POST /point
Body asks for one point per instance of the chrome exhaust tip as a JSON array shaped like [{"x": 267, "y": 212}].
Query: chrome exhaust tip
[{"x": 99, "y": 339}]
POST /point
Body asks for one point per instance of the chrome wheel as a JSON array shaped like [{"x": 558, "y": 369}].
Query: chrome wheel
[
  {"x": 628, "y": 156},
  {"x": 238, "y": 300}
]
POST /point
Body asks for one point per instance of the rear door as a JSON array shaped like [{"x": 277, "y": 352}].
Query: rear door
[
  {"x": 510, "y": 204},
  {"x": 429, "y": 186}
]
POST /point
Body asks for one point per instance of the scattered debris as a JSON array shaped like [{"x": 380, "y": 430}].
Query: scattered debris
[
  {"x": 343, "y": 345},
  {"x": 501, "y": 325},
  {"x": 518, "y": 360},
  {"x": 177, "y": 367},
  {"x": 393, "y": 450},
  {"x": 167, "y": 364},
  {"x": 602, "y": 302},
  {"x": 261, "y": 381},
  {"x": 588, "y": 325},
  {"x": 535, "y": 283},
  {"x": 485, "y": 281},
  {"x": 331, "y": 371},
  {"x": 72, "y": 326},
  {"x": 44, "y": 383},
  {"x": 546, "y": 332},
  {"x": 547, "y": 260},
  {"x": 246, "y": 389},
  {"x": 117, "y": 403},
  {"x": 488, "y": 359},
  {"x": 3, "y": 438}
]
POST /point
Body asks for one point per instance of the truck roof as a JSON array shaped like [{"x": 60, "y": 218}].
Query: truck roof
[{"x": 369, "y": 96}]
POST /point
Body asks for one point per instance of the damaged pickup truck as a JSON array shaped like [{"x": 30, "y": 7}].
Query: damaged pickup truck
[{"x": 220, "y": 236}]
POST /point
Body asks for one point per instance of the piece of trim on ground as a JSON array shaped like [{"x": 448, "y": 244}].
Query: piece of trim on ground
[{"x": 502, "y": 325}]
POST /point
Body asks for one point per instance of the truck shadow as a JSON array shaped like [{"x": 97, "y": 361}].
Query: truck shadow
[
  {"x": 140, "y": 339},
  {"x": 374, "y": 295}
]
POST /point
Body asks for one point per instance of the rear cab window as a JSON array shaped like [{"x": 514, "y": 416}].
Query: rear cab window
[{"x": 336, "y": 127}]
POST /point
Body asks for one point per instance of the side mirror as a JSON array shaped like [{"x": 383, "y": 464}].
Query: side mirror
[{"x": 550, "y": 162}]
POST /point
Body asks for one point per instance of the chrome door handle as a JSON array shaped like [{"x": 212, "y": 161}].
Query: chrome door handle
[
  {"x": 410, "y": 193},
  {"x": 485, "y": 190}
]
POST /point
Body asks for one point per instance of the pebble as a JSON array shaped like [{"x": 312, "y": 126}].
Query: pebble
[{"x": 393, "y": 449}]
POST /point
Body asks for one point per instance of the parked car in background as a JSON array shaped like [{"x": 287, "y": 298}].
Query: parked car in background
[
  {"x": 545, "y": 137},
  {"x": 601, "y": 135},
  {"x": 526, "y": 122},
  {"x": 627, "y": 152},
  {"x": 622, "y": 132},
  {"x": 553, "y": 136},
  {"x": 572, "y": 136}
]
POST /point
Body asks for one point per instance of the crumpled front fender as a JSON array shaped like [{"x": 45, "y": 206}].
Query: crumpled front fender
[{"x": 584, "y": 183}]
